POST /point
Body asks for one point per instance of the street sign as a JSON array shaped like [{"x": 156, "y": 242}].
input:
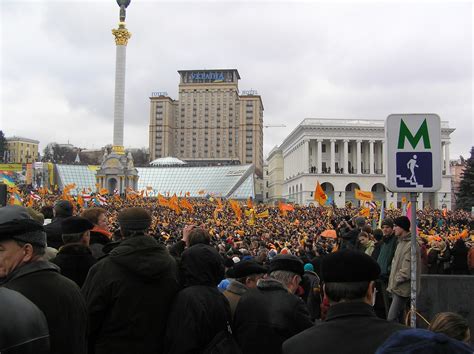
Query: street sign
[{"x": 413, "y": 144}]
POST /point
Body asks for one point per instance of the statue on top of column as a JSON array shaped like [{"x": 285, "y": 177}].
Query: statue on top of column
[{"x": 123, "y": 5}]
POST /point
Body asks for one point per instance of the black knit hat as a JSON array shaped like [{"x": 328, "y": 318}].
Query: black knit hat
[
  {"x": 349, "y": 266},
  {"x": 134, "y": 219},
  {"x": 403, "y": 222},
  {"x": 75, "y": 225},
  {"x": 287, "y": 262},
  {"x": 388, "y": 222},
  {"x": 244, "y": 269},
  {"x": 63, "y": 208}
]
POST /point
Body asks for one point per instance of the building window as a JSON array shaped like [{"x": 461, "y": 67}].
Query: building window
[
  {"x": 323, "y": 147},
  {"x": 336, "y": 148}
]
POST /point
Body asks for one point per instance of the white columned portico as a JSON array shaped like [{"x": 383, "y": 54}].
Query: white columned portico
[
  {"x": 346, "y": 156},
  {"x": 371, "y": 156},
  {"x": 320, "y": 155},
  {"x": 333, "y": 155},
  {"x": 359, "y": 157},
  {"x": 446, "y": 157},
  {"x": 305, "y": 156}
]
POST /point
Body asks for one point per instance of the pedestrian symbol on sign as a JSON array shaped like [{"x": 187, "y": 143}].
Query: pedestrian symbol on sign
[{"x": 414, "y": 169}]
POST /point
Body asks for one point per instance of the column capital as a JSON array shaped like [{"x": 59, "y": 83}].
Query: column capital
[
  {"x": 121, "y": 34},
  {"x": 346, "y": 140},
  {"x": 371, "y": 141},
  {"x": 332, "y": 140},
  {"x": 358, "y": 141},
  {"x": 447, "y": 142},
  {"x": 319, "y": 140}
]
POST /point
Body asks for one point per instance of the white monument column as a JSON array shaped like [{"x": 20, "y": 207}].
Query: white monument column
[
  {"x": 346, "y": 156},
  {"x": 359, "y": 158},
  {"x": 305, "y": 156},
  {"x": 333, "y": 155},
  {"x": 371, "y": 156},
  {"x": 384, "y": 162},
  {"x": 320, "y": 155},
  {"x": 121, "y": 39},
  {"x": 446, "y": 157}
]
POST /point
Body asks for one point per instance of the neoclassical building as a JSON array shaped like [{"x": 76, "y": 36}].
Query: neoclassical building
[{"x": 345, "y": 154}]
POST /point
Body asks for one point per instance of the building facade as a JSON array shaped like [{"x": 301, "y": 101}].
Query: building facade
[
  {"x": 21, "y": 150},
  {"x": 275, "y": 176},
  {"x": 344, "y": 155},
  {"x": 211, "y": 123}
]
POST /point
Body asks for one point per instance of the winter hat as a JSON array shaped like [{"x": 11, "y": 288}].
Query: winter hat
[
  {"x": 223, "y": 285},
  {"x": 360, "y": 221},
  {"x": 236, "y": 259},
  {"x": 388, "y": 222},
  {"x": 134, "y": 219},
  {"x": 63, "y": 208},
  {"x": 422, "y": 341},
  {"x": 75, "y": 225},
  {"x": 349, "y": 266},
  {"x": 308, "y": 267},
  {"x": 272, "y": 253},
  {"x": 16, "y": 224},
  {"x": 244, "y": 269},
  {"x": 287, "y": 263},
  {"x": 403, "y": 222}
]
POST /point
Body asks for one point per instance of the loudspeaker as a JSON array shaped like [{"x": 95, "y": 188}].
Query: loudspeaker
[{"x": 3, "y": 194}]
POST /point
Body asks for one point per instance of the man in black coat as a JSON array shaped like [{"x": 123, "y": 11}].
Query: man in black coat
[
  {"x": 129, "y": 291},
  {"x": 268, "y": 315},
  {"x": 75, "y": 257},
  {"x": 22, "y": 244},
  {"x": 199, "y": 311},
  {"x": 27, "y": 333},
  {"x": 62, "y": 210},
  {"x": 351, "y": 325}
]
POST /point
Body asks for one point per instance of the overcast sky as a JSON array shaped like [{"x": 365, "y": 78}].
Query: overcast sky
[{"x": 361, "y": 60}]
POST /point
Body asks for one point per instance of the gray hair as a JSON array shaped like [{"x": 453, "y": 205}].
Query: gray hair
[
  {"x": 72, "y": 238},
  {"x": 283, "y": 276}
]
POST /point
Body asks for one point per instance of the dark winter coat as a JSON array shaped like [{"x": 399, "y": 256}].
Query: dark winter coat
[
  {"x": 54, "y": 232},
  {"x": 97, "y": 242},
  {"x": 349, "y": 328},
  {"x": 312, "y": 294},
  {"x": 267, "y": 316},
  {"x": 459, "y": 258},
  {"x": 60, "y": 300},
  {"x": 75, "y": 261},
  {"x": 199, "y": 311},
  {"x": 128, "y": 295},
  {"x": 24, "y": 334},
  {"x": 388, "y": 246}
]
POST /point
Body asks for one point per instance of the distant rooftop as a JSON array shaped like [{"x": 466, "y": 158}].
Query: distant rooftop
[
  {"x": 19, "y": 138},
  {"x": 352, "y": 122},
  {"x": 167, "y": 161}
]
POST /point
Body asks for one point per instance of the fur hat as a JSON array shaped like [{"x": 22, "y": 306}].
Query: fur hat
[
  {"x": 16, "y": 224},
  {"x": 75, "y": 225},
  {"x": 349, "y": 266},
  {"x": 134, "y": 219},
  {"x": 244, "y": 269},
  {"x": 287, "y": 262},
  {"x": 403, "y": 222}
]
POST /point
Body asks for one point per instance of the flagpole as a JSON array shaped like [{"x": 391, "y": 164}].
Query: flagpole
[{"x": 413, "y": 198}]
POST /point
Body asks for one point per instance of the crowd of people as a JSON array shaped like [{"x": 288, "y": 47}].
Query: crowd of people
[{"x": 213, "y": 276}]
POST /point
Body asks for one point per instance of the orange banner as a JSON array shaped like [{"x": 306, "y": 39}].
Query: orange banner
[{"x": 363, "y": 195}]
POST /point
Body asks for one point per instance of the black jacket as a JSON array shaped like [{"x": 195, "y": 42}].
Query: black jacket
[
  {"x": 199, "y": 311},
  {"x": 312, "y": 294},
  {"x": 265, "y": 317},
  {"x": 128, "y": 295},
  {"x": 459, "y": 258},
  {"x": 351, "y": 328},
  {"x": 97, "y": 242},
  {"x": 60, "y": 300},
  {"x": 75, "y": 261},
  {"x": 21, "y": 334},
  {"x": 54, "y": 232}
]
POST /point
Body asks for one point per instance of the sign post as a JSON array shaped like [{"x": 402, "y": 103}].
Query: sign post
[{"x": 414, "y": 165}]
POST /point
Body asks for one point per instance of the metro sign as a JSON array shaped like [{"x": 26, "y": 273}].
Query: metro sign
[{"x": 413, "y": 152}]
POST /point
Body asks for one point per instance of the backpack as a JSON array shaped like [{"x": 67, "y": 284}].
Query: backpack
[{"x": 223, "y": 343}]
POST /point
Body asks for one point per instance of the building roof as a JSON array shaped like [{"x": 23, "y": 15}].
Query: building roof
[
  {"x": 19, "y": 138},
  {"x": 167, "y": 161},
  {"x": 202, "y": 70},
  {"x": 235, "y": 181}
]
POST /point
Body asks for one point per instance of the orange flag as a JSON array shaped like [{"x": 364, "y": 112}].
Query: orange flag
[
  {"x": 363, "y": 195},
  {"x": 162, "y": 200},
  {"x": 365, "y": 212},
  {"x": 284, "y": 208},
  {"x": 236, "y": 208},
  {"x": 185, "y": 204},
  {"x": 174, "y": 204},
  {"x": 80, "y": 201},
  {"x": 319, "y": 195},
  {"x": 249, "y": 203}
]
